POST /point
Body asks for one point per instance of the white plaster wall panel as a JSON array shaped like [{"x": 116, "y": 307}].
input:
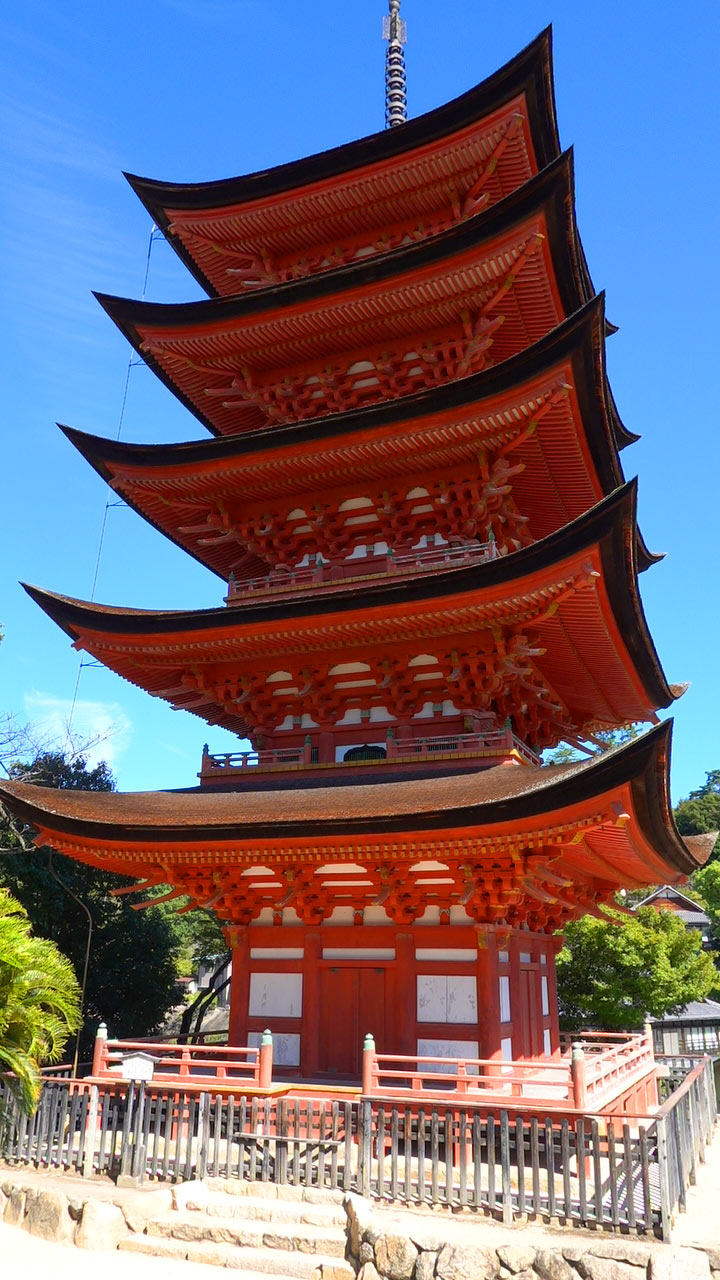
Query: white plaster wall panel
[
  {"x": 543, "y": 959},
  {"x": 506, "y": 1049},
  {"x": 458, "y": 915},
  {"x": 504, "y": 987},
  {"x": 545, "y": 996},
  {"x": 275, "y": 995},
  {"x": 375, "y": 915},
  {"x": 525, "y": 957},
  {"x": 358, "y": 953},
  {"x": 276, "y": 953},
  {"x": 461, "y": 998},
  {"x": 446, "y": 998},
  {"x": 447, "y": 1049},
  {"x": 458, "y": 954},
  {"x": 503, "y": 956},
  {"x": 431, "y": 998},
  {"x": 286, "y": 1047},
  {"x": 547, "y": 1044}
]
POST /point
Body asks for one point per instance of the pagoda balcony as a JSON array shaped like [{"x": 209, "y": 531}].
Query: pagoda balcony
[
  {"x": 490, "y": 747},
  {"x": 286, "y": 581}
]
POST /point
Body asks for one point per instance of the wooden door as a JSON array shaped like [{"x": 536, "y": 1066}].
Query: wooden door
[{"x": 352, "y": 1003}]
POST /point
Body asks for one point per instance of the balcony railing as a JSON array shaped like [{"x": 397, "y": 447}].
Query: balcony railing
[
  {"x": 495, "y": 742},
  {"x": 282, "y": 581},
  {"x": 594, "y": 1072},
  {"x": 491, "y": 742}
]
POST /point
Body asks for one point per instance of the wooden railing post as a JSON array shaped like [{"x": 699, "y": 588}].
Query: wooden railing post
[
  {"x": 365, "y": 1119},
  {"x": 100, "y": 1053},
  {"x": 265, "y": 1063},
  {"x": 579, "y": 1082},
  {"x": 368, "y": 1065},
  {"x": 90, "y": 1130}
]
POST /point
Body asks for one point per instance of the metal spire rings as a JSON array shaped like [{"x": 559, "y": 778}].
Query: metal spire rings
[{"x": 395, "y": 32}]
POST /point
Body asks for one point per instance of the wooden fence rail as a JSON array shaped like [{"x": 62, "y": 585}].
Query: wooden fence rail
[{"x": 628, "y": 1174}]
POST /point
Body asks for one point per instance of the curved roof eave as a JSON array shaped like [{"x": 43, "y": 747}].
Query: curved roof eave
[
  {"x": 643, "y": 764},
  {"x": 579, "y": 337},
  {"x": 610, "y": 524},
  {"x": 530, "y": 71},
  {"x": 551, "y": 191}
]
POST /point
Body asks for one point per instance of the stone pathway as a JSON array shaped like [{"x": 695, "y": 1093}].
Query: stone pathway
[
  {"x": 700, "y": 1224},
  {"x": 24, "y": 1255}
]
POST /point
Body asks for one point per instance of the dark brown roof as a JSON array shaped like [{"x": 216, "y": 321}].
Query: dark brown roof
[
  {"x": 500, "y": 795},
  {"x": 701, "y": 846},
  {"x": 530, "y": 71}
]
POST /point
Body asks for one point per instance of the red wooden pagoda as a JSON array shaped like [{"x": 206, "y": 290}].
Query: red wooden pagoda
[{"x": 415, "y": 501}]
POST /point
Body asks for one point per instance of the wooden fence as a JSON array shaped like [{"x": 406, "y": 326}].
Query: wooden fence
[{"x": 593, "y": 1172}]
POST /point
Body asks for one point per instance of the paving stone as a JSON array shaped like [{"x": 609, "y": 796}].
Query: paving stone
[
  {"x": 395, "y": 1257},
  {"x": 688, "y": 1264},
  {"x": 592, "y": 1267},
  {"x": 152, "y": 1245},
  {"x": 48, "y": 1217},
  {"x": 465, "y": 1262},
  {"x": 369, "y": 1271},
  {"x": 102, "y": 1226},
  {"x": 425, "y": 1265},
  {"x": 15, "y": 1207},
  {"x": 677, "y": 1263},
  {"x": 516, "y": 1257},
  {"x": 621, "y": 1250},
  {"x": 359, "y": 1217},
  {"x": 550, "y": 1265},
  {"x": 188, "y": 1195}
]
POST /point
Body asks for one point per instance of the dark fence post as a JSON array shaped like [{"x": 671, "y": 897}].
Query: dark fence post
[
  {"x": 507, "y": 1206},
  {"x": 91, "y": 1128},
  {"x": 365, "y": 1147}
]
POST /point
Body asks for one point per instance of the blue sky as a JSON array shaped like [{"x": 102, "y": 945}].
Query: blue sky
[{"x": 191, "y": 90}]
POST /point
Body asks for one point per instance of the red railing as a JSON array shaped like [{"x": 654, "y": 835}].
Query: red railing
[
  {"x": 586, "y": 1078},
  {"x": 491, "y": 742},
  {"x": 189, "y": 1064},
  {"x": 284, "y": 581},
  {"x": 495, "y": 742}
]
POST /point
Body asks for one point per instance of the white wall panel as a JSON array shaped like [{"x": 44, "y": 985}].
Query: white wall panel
[
  {"x": 286, "y": 1047},
  {"x": 446, "y": 998},
  {"x": 275, "y": 995},
  {"x": 504, "y": 986},
  {"x": 447, "y": 1049}
]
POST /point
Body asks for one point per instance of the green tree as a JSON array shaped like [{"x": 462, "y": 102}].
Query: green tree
[
  {"x": 613, "y": 973},
  {"x": 39, "y": 1002},
  {"x": 603, "y": 740},
  {"x": 132, "y": 976},
  {"x": 700, "y": 811}
]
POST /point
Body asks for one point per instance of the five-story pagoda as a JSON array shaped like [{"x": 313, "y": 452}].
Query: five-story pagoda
[{"x": 430, "y": 560}]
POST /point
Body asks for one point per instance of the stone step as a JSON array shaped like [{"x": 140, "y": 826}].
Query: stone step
[
  {"x": 250, "y": 1208},
  {"x": 297, "y": 1237},
  {"x": 250, "y": 1263},
  {"x": 269, "y": 1190}
]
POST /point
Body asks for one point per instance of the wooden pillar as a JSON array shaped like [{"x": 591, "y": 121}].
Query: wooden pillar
[
  {"x": 401, "y": 1027},
  {"x": 519, "y": 1012},
  {"x": 239, "y": 940},
  {"x": 312, "y": 1013},
  {"x": 488, "y": 994}
]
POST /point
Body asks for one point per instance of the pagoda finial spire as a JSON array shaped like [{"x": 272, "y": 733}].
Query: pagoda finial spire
[{"x": 395, "y": 32}]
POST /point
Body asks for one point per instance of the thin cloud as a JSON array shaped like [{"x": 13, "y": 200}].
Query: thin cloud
[{"x": 98, "y": 731}]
